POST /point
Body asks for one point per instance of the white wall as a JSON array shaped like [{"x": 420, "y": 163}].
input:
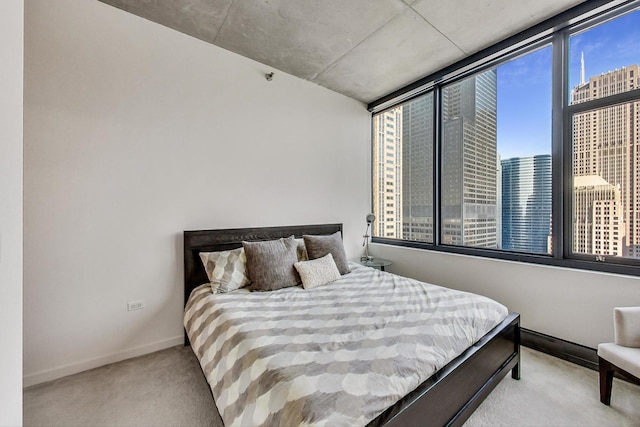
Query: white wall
[
  {"x": 134, "y": 133},
  {"x": 11, "y": 55},
  {"x": 574, "y": 305}
]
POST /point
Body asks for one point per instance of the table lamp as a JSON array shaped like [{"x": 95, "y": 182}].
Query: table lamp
[{"x": 370, "y": 218}]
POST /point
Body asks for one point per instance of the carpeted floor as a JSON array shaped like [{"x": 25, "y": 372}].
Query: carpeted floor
[
  {"x": 167, "y": 388},
  {"x": 554, "y": 392}
]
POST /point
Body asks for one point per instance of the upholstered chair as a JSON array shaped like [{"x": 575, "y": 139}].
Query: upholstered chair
[{"x": 623, "y": 355}]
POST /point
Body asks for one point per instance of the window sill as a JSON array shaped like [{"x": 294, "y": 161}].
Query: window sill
[{"x": 577, "y": 264}]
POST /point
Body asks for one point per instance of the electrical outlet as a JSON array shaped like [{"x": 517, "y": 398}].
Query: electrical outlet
[{"x": 135, "y": 305}]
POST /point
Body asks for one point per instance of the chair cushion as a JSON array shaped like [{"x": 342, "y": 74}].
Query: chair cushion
[
  {"x": 626, "y": 321},
  {"x": 626, "y": 358}
]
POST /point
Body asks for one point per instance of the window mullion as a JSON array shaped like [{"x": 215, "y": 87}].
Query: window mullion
[
  {"x": 619, "y": 98},
  {"x": 437, "y": 161},
  {"x": 559, "y": 87}
]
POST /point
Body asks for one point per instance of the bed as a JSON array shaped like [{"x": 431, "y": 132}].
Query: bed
[{"x": 446, "y": 397}]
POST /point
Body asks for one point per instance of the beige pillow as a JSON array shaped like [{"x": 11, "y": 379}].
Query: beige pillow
[
  {"x": 226, "y": 269},
  {"x": 270, "y": 264},
  {"x": 317, "y": 272},
  {"x": 319, "y": 246}
]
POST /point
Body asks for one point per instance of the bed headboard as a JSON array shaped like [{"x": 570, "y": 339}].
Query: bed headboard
[{"x": 222, "y": 240}]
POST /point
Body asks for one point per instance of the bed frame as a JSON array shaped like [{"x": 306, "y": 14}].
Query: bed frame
[{"x": 448, "y": 397}]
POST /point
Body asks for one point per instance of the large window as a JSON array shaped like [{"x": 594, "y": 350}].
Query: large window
[
  {"x": 532, "y": 155},
  {"x": 403, "y": 171},
  {"x": 605, "y": 162},
  {"x": 496, "y": 157}
]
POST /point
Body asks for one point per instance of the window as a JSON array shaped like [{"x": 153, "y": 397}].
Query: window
[
  {"x": 496, "y": 168},
  {"x": 524, "y": 152},
  {"x": 605, "y": 184},
  {"x": 523, "y": 164},
  {"x": 413, "y": 187}
]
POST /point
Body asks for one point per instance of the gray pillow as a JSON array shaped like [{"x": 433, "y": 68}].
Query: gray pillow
[
  {"x": 270, "y": 264},
  {"x": 319, "y": 246}
]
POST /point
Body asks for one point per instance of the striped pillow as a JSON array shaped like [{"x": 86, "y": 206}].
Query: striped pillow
[{"x": 227, "y": 270}]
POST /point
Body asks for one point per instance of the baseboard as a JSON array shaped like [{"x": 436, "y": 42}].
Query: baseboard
[
  {"x": 562, "y": 349},
  {"x": 74, "y": 368}
]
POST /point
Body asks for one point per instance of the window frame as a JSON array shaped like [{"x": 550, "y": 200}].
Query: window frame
[
  {"x": 569, "y": 112},
  {"x": 556, "y": 32}
]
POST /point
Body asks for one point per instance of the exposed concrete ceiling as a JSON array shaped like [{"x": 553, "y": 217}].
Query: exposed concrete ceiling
[{"x": 363, "y": 49}]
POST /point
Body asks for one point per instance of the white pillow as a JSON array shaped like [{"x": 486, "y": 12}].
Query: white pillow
[
  {"x": 317, "y": 272},
  {"x": 227, "y": 269}
]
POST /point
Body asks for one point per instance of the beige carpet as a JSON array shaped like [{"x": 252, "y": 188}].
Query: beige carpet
[
  {"x": 554, "y": 392},
  {"x": 167, "y": 388}
]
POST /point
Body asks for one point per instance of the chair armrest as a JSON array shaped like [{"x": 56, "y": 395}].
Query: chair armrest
[{"x": 626, "y": 325}]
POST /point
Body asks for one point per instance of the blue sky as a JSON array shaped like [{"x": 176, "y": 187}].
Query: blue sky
[{"x": 524, "y": 84}]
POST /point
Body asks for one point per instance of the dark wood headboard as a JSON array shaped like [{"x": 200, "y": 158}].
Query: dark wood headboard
[{"x": 223, "y": 240}]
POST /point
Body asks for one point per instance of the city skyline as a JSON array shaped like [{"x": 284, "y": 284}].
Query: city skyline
[
  {"x": 527, "y": 81},
  {"x": 512, "y": 210}
]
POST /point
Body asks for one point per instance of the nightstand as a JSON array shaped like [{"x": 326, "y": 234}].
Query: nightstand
[{"x": 378, "y": 263}]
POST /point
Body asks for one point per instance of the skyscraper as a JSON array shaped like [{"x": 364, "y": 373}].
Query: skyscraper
[
  {"x": 387, "y": 160},
  {"x": 526, "y": 203},
  {"x": 597, "y": 224},
  {"x": 417, "y": 169},
  {"x": 606, "y": 144},
  {"x": 469, "y": 159}
]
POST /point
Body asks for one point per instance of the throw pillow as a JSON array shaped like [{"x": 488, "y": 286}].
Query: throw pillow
[
  {"x": 227, "y": 269},
  {"x": 317, "y": 272},
  {"x": 270, "y": 264},
  {"x": 319, "y": 246}
]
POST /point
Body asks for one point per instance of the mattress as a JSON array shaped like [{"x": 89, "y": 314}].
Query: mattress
[{"x": 336, "y": 355}]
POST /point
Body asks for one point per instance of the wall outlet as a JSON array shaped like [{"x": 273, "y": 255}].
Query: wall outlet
[{"x": 135, "y": 305}]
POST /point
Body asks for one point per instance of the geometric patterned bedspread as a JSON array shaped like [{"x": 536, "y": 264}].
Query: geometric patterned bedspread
[{"x": 336, "y": 355}]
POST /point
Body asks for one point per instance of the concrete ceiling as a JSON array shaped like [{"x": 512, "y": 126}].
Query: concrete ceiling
[{"x": 363, "y": 49}]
